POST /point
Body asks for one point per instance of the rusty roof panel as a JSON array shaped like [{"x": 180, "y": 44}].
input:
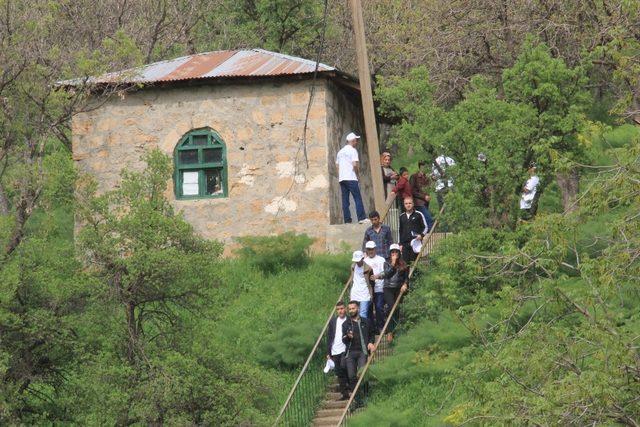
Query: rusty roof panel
[{"x": 211, "y": 65}]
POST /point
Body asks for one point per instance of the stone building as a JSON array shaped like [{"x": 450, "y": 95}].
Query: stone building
[{"x": 233, "y": 122}]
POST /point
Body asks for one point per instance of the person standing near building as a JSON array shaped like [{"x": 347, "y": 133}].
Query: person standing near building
[
  {"x": 402, "y": 188},
  {"x": 336, "y": 348},
  {"x": 358, "y": 337},
  {"x": 413, "y": 225},
  {"x": 396, "y": 281},
  {"x": 440, "y": 174},
  {"x": 529, "y": 191},
  {"x": 378, "y": 233},
  {"x": 361, "y": 284},
  {"x": 389, "y": 175},
  {"x": 419, "y": 182},
  {"x": 376, "y": 262},
  {"x": 348, "y": 164}
]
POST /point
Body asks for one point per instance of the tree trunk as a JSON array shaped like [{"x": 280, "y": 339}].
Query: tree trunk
[
  {"x": 569, "y": 184},
  {"x": 133, "y": 332}
]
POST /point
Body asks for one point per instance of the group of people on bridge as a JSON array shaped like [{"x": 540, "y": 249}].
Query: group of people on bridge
[{"x": 380, "y": 271}]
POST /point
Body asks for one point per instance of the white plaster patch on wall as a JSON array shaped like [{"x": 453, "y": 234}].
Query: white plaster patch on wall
[
  {"x": 247, "y": 175},
  {"x": 300, "y": 179},
  {"x": 280, "y": 204},
  {"x": 317, "y": 183},
  {"x": 285, "y": 169}
]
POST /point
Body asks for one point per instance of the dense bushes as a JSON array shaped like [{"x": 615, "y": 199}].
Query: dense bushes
[{"x": 272, "y": 254}]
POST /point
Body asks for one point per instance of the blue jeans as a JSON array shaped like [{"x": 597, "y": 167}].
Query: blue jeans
[
  {"x": 378, "y": 299},
  {"x": 365, "y": 306},
  {"x": 427, "y": 216},
  {"x": 352, "y": 187}
]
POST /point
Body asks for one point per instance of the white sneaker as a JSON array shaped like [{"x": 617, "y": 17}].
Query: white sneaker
[{"x": 365, "y": 221}]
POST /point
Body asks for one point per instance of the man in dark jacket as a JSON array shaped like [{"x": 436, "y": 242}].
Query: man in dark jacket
[
  {"x": 336, "y": 348},
  {"x": 413, "y": 225},
  {"x": 358, "y": 336},
  {"x": 419, "y": 186}
]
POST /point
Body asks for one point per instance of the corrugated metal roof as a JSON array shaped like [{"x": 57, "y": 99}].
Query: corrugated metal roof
[{"x": 211, "y": 65}]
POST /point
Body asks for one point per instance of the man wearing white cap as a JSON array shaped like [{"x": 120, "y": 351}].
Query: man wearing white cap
[
  {"x": 360, "y": 285},
  {"x": 376, "y": 262},
  {"x": 348, "y": 165}
]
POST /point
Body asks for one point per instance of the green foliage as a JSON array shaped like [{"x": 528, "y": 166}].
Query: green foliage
[
  {"x": 288, "y": 347},
  {"x": 273, "y": 254}
]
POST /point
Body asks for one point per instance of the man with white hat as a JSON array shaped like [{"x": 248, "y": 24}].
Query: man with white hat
[
  {"x": 348, "y": 165},
  {"x": 360, "y": 285},
  {"x": 376, "y": 262}
]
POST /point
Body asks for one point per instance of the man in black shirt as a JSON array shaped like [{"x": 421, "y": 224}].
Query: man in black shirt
[
  {"x": 413, "y": 225},
  {"x": 358, "y": 335}
]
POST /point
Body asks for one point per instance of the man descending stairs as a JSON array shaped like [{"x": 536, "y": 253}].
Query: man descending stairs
[{"x": 333, "y": 406}]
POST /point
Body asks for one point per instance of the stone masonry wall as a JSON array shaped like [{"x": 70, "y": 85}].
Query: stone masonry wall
[
  {"x": 344, "y": 114},
  {"x": 270, "y": 188}
]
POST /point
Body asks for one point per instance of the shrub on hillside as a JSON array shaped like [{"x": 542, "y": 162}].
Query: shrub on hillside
[
  {"x": 288, "y": 347},
  {"x": 272, "y": 254}
]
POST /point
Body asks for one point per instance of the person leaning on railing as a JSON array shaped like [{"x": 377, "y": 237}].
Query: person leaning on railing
[{"x": 396, "y": 281}]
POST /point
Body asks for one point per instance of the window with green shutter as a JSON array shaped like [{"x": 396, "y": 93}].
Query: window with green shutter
[{"x": 200, "y": 160}]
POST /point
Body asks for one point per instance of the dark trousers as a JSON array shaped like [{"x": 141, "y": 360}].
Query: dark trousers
[
  {"x": 390, "y": 296},
  {"x": 407, "y": 253},
  {"x": 378, "y": 299},
  {"x": 354, "y": 360},
  {"x": 341, "y": 373},
  {"x": 351, "y": 187},
  {"x": 427, "y": 215}
]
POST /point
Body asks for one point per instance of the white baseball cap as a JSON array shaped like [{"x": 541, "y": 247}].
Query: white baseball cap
[
  {"x": 394, "y": 246},
  {"x": 357, "y": 256},
  {"x": 351, "y": 136},
  {"x": 370, "y": 244}
]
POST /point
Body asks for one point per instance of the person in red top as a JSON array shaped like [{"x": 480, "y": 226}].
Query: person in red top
[{"x": 403, "y": 187}]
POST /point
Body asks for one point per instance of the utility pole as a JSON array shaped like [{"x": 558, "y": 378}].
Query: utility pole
[{"x": 371, "y": 131}]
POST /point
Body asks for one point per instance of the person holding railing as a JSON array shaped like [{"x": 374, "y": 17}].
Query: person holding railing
[
  {"x": 336, "y": 348},
  {"x": 358, "y": 336},
  {"x": 396, "y": 281}
]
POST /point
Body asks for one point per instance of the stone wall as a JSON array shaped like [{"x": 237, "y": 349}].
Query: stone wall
[
  {"x": 344, "y": 114},
  {"x": 270, "y": 188}
]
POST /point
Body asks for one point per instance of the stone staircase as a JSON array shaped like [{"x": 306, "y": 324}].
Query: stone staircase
[{"x": 332, "y": 408}]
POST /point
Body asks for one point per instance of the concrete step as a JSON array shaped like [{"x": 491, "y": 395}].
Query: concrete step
[
  {"x": 334, "y": 404},
  {"x": 326, "y": 421},
  {"x": 333, "y": 395},
  {"x": 329, "y": 413}
]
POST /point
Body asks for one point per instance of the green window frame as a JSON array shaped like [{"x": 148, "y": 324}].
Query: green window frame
[{"x": 200, "y": 165}]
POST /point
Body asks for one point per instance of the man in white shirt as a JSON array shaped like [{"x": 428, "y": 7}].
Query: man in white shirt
[
  {"x": 529, "y": 193},
  {"x": 348, "y": 164},
  {"x": 336, "y": 348},
  {"x": 360, "y": 285},
  {"x": 439, "y": 173},
  {"x": 376, "y": 262}
]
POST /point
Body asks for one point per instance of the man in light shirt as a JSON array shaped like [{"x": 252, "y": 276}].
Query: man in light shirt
[
  {"x": 348, "y": 164},
  {"x": 336, "y": 348},
  {"x": 529, "y": 193},
  {"x": 360, "y": 285},
  {"x": 376, "y": 262},
  {"x": 443, "y": 180}
]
